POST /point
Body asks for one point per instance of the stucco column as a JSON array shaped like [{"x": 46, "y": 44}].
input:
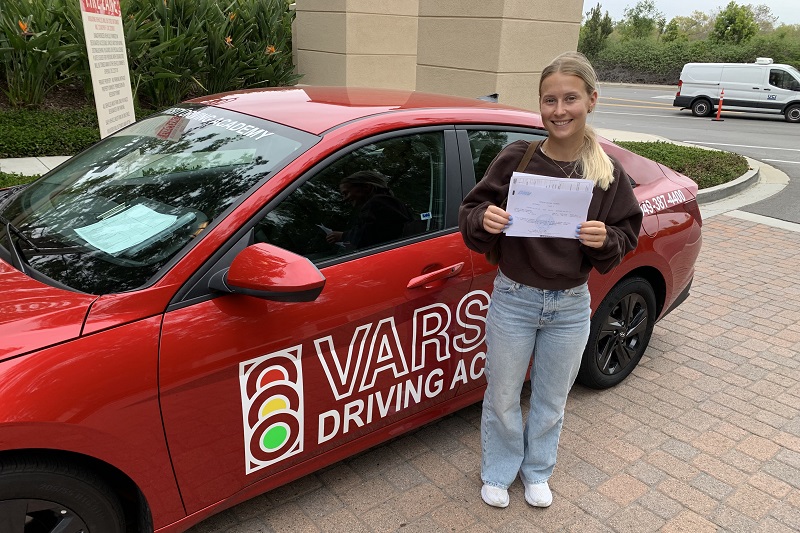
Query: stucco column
[
  {"x": 371, "y": 43},
  {"x": 461, "y": 47},
  {"x": 473, "y": 48}
]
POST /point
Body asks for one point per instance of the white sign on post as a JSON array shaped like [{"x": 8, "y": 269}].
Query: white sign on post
[{"x": 108, "y": 62}]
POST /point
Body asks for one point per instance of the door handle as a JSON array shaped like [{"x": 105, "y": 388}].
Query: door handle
[{"x": 436, "y": 275}]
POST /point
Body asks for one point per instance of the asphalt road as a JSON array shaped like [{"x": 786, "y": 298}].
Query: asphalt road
[{"x": 767, "y": 138}]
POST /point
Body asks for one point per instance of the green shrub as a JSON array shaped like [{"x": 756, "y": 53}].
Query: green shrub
[
  {"x": 28, "y": 133},
  {"x": 706, "y": 167},
  {"x": 34, "y": 49},
  {"x": 651, "y": 61},
  {"x": 176, "y": 48}
]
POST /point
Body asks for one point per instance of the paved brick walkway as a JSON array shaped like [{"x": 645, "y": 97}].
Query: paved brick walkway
[{"x": 704, "y": 436}]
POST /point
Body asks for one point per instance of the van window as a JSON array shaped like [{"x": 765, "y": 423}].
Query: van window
[
  {"x": 743, "y": 74},
  {"x": 783, "y": 80}
]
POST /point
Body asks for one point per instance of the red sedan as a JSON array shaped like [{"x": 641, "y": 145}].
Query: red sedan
[{"x": 214, "y": 301}]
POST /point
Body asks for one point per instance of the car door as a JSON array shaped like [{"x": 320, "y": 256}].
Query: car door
[
  {"x": 780, "y": 89},
  {"x": 251, "y": 387}
]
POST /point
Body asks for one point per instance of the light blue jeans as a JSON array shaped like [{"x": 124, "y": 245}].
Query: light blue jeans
[{"x": 523, "y": 321}]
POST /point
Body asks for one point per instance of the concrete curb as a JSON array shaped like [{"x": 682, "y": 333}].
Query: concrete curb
[{"x": 725, "y": 190}]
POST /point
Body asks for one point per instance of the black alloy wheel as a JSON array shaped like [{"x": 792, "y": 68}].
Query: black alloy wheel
[
  {"x": 46, "y": 496},
  {"x": 619, "y": 334},
  {"x": 701, "y": 108}
]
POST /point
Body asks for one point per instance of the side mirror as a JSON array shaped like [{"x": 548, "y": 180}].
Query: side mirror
[{"x": 266, "y": 271}]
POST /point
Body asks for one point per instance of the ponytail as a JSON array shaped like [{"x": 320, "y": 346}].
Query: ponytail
[{"x": 594, "y": 163}]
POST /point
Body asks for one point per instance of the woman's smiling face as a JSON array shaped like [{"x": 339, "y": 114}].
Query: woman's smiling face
[{"x": 564, "y": 104}]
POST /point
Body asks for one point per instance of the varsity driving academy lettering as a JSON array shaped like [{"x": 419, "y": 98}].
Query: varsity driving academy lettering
[{"x": 377, "y": 375}]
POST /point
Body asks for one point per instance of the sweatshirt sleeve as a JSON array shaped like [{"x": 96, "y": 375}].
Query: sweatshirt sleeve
[
  {"x": 623, "y": 219},
  {"x": 491, "y": 190}
]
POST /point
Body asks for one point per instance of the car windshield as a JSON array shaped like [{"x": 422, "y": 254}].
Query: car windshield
[{"x": 110, "y": 218}]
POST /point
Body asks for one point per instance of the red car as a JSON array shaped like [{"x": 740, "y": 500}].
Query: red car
[{"x": 235, "y": 292}]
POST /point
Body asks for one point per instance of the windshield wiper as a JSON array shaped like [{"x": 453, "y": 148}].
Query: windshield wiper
[
  {"x": 13, "y": 229},
  {"x": 17, "y": 257}
]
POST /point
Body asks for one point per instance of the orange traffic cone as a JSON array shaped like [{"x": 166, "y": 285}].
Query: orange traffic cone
[{"x": 719, "y": 106}]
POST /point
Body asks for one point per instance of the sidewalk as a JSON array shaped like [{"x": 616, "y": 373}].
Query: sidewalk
[
  {"x": 703, "y": 436},
  {"x": 31, "y": 166}
]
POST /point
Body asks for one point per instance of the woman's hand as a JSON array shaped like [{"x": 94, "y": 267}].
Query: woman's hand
[
  {"x": 334, "y": 236},
  {"x": 591, "y": 233},
  {"x": 495, "y": 219}
]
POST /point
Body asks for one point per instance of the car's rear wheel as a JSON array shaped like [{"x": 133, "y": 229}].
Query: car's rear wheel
[
  {"x": 701, "y": 108},
  {"x": 45, "y": 496},
  {"x": 619, "y": 334},
  {"x": 792, "y": 113}
]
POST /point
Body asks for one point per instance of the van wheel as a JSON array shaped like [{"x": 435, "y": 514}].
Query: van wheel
[
  {"x": 701, "y": 108},
  {"x": 792, "y": 113}
]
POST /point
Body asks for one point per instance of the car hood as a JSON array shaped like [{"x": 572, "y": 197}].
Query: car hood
[{"x": 34, "y": 315}]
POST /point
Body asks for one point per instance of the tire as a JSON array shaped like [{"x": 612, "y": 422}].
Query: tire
[
  {"x": 42, "y": 495},
  {"x": 792, "y": 113},
  {"x": 702, "y": 108},
  {"x": 619, "y": 334}
]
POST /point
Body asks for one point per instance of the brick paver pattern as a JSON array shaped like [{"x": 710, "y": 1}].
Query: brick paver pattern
[{"x": 704, "y": 436}]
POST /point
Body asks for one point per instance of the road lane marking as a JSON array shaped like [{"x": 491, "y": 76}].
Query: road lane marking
[
  {"x": 782, "y": 161},
  {"x": 745, "y": 146},
  {"x": 642, "y": 114}
]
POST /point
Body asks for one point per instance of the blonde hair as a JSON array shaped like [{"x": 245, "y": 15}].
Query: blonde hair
[{"x": 593, "y": 162}]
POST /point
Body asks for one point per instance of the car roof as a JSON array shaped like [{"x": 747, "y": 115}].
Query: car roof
[{"x": 318, "y": 109}]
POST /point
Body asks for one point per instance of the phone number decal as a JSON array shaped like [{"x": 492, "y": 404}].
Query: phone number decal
[{"x": 662, "y": 201}]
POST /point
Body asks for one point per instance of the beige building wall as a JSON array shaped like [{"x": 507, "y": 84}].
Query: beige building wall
[
  {"x": 461, "y": 47},
  {"x": 371, "y": 43}
]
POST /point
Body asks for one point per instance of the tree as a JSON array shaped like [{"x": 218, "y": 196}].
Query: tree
[
  {"x": 642, "y": 21},
  {"x": 594, "y": 32},
  {"x": 696, "y": 26},
  {"x": 673, "y": 32},
  {"x": 734, "y": 24},
  {"x": 763, "y": 16}
]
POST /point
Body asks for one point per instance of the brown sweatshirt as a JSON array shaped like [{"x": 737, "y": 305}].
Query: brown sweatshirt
[{"x": 551, "y": 263}]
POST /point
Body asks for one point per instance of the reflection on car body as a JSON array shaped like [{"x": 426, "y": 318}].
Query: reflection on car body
[{"x": 179, "y": 331}]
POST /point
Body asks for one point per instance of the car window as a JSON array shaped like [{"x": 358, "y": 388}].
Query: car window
[
  {"x": 111, "y": 217},
  {"x": 783, "y": 80},
  {"x": 380, "y": 193},
  {"x": 486, "y": 144}
]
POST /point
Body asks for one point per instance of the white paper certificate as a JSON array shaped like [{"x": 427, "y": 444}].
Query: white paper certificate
[
  {"x": 542, "y": 206},
  {"x": 129, "y": 228}
]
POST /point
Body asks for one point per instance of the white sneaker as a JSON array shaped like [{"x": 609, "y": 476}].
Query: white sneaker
[
  {"x": 537, "y": 494},
  {"x": 494, "y": 496}
]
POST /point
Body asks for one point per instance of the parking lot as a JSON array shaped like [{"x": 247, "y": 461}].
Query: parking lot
[{"x": 704, "y": 436}]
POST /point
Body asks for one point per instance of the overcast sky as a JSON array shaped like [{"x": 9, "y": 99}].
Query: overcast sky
[{"x": 787, "y": 11}]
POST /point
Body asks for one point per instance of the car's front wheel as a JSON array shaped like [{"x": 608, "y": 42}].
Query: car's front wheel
[
  {"x": 42, "y": 495},
  {"x": 619, "y": 334}
]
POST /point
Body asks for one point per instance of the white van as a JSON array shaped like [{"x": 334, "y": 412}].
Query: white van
[{"x": 761, "y": 87}]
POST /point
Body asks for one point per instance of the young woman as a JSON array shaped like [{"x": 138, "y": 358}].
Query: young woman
[{"x": 540, "y": 305}]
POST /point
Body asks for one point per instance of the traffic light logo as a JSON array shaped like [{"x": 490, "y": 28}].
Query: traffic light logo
[{"x": 272, "y": 407}]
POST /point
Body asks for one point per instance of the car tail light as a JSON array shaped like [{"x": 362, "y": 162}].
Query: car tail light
[
  {"x": 693, "y": 209},
  {"x": 680, "y": 84}
]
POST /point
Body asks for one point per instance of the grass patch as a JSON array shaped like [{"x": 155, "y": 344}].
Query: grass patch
[
  {"x": 706, "y": 167},
  {"x": 11, "y": 179}
]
